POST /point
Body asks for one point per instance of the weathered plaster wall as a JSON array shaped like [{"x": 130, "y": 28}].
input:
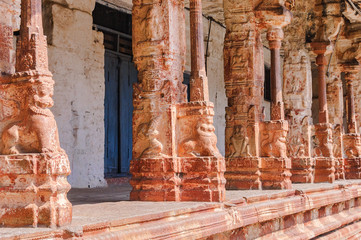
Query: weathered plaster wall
[
  {"x": 9, "y": 21},
  {"x": 76, "y": 59}
]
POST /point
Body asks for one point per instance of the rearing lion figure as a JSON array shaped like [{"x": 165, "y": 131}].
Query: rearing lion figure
[{"x": 37, "y": 132}]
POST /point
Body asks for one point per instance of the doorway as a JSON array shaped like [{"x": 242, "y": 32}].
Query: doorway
[{"x": 120, "y": 75}]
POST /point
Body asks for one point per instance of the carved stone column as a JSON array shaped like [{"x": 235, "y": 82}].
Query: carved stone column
[
  {"x": 175, "y": 157},
  {"x": 352, "y": 140},
  {"x": 33, "y": 167},
  {"x": 244, "y": 80},
  {"x": 323, "y": 149},
  {"x": 335, "y": 113},
  {"x": 297, "y": 92},
  {"x": 275, "y": 164}
]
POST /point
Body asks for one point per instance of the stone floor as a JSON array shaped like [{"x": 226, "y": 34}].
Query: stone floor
[{"x": 94, "y": 206}]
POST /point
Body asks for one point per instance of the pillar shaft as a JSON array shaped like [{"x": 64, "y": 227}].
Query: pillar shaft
[
  {"x": 321, "y": 62},
  {"x": 199, "y": 82},
  {"x": 351, "y": 76},
  {"x": 322, "y": 91},
  {"x": 275, "y": 36}
]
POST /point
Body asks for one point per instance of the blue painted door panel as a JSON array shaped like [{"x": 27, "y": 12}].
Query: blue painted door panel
[{"x": 120, "y": 74}]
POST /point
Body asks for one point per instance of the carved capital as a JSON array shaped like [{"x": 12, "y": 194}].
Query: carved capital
[{"x": 275, "y": 36}]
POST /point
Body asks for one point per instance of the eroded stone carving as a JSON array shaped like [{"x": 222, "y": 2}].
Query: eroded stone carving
[
  {"x": 352, "y": 146},
  {"x": 274, "y": 139},
  {"x": 147, "y": 139},
  {"x": 204, "y": 142},
  {"x": 239, "y": 145},
  {"x": 37, "y": 132},
  {"x": 323, "y": 142}
]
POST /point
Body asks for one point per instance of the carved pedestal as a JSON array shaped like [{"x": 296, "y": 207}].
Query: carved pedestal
[
  {"x": 178, "y": 179},
  {"x": 323, "y": 150},
  {"x": 302, "y": 170},
  {"x": 33, "y": 190},
  {"x": 275, "y": 165},
  {"x": 352, "y": 146},
  {"x": 243, "y": 173}
]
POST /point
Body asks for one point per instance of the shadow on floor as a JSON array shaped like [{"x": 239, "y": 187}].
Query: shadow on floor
[{"x": 112, "y": 193}]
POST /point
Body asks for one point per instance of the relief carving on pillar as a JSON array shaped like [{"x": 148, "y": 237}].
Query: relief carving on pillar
[
  {"x": 147, "y": 141},
  {"x": 37, "y": 131},
  {"x": 352, "y": 145},
  {"x": 337, "y": 140},
  {"x": 323, "y": 141},
  {"x": 150, "y": 22},
  {"x": 203, "y": 141},
  {"x": 239, "y": 142},
  {"x": 273, "y": 141},
  {"x": 297, "y": 139},
  {"x": 150, "y": 109}
]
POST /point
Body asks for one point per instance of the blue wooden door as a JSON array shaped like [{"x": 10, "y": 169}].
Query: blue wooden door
[{"x": 120, "y": 74}]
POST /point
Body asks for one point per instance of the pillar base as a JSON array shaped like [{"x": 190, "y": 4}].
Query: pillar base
[
  {"x": 243, "y": 173},
  {"x": 275, "y": 173},
  {"x": 33, "y": 190},
  {"x": 353, "y": 168},
  {"x": 324, "y": 169},
  {"x": 303, "y": 170},
  {"x": 178, "y": 179}
]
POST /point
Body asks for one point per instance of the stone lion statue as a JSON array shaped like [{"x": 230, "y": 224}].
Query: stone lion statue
[
  {"x": 37, "y": 131},
  {"x": 275, "y": 144},
  {"x": 204, "y": 142}
]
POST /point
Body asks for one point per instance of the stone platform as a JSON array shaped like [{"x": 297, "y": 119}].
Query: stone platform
[{"x": 309, "y": 211}]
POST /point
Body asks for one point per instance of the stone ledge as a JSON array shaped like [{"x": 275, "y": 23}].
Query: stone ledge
[{"x": 316, "y": 203}]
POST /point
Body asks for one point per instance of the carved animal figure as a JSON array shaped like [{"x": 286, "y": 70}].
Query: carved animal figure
[
  {"x": 239, "y": 144},
  {"x": 275, "y": 144},
  {"x": 37, "y": 132},
  {"x": 147, "y": 139},
  {"x": 323, "y": 145},
  {"x": 354, "y": 150},
  {"x": 204, "y": 142}
]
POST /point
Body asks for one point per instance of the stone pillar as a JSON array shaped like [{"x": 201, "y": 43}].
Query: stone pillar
[
  {"x": 323, "y": 149},
  {"x": 275, "y": 164},
  {"x": 351, "y": 140},
  {"x": 335, "y": 113},
  {"x": 297, "y": 92},
  {"x": 244, "y": 80},
  {"x": 33, "y": 167},
  {"x": 175, "y": 157}
]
